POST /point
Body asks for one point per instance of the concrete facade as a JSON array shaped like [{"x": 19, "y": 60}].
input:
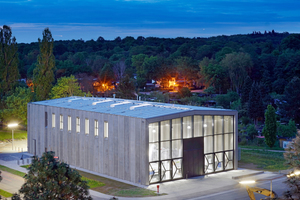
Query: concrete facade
[{"x": 124, "y": 154}]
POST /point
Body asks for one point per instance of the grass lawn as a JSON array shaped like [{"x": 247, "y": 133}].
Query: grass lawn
[
  {"x": 103, "y": 185},
  {"x": 12, "y": 171},
  {"x": 116, "y": 188},
  {"x": 18, "y": 135},
  {"x": 5, "y": 194},
  {"x": 262, "y": 160},
  {"x": 260, "y": 147}
]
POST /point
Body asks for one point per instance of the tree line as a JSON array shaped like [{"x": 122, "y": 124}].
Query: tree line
[{"x": 258, "y": 67}]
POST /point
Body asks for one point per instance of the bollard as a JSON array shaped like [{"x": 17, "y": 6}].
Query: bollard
[
  {"x": 157, "y": 189},
  {"x": 18, "y": 162},
  {"x": 27, "y": 160}
]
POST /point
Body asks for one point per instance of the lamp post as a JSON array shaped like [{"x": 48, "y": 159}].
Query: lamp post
[{"x": 12, "y": 132}]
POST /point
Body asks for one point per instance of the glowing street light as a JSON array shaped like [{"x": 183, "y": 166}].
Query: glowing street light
[
  {"x": 12, "y": 126},
  {"x": 247, "y": 182}
]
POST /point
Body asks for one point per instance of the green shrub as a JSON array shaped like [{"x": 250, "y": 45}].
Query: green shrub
[{"x": 251, "y": 131}]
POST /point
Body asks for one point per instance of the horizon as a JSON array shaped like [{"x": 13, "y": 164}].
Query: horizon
[{"x": 69, "y": 19}]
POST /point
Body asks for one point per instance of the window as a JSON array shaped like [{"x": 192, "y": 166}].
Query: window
[
  {"x": 77, "y": 124},
  {"x": 53, "y": 120},
  {"x": 105, "y": 129},
  {"x": 46, "y": 119},
  {"x": 96, "y": 131},
  {"x": 61, "y": 122},
  {"x": 69, "y": 123},
  {"x": 87, "y": 127}
]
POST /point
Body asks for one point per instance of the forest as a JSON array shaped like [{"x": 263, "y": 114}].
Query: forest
[{"x": 242, "y": 72}]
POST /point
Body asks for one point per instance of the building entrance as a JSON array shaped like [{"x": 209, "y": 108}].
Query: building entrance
[{"x": 193, "y": 157}]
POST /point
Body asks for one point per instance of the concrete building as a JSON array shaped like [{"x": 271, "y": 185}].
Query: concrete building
[{"x": 136, "y": 141}]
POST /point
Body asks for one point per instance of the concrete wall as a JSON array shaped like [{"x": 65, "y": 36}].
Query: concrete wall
[{"x": 121, "y": 155}]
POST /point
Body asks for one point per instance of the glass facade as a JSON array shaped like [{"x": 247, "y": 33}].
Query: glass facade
[{"x": 166, "y": 145}]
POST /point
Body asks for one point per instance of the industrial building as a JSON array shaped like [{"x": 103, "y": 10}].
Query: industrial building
[{"x": 137, "y": 141}]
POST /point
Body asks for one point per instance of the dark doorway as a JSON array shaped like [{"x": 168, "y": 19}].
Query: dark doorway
[{"x": 193, "y": 157}]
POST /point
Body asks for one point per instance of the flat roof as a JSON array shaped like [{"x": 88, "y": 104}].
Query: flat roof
[{"x": 124, "y": 107}]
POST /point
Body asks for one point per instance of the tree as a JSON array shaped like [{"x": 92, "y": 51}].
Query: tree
[
  {"x": 119, "y": 69},
  {"x": 126, "y": 88},
  {"x": 269, "y": 130},
  {"x": 186, "y": 68},
  {"x": 291, "y": 97},
  {"x": 251, "y": 131},
  {"x": 43, "y": 75},
  {"x": 239, "y": 66},
  {"x": 213, "y": 74},
  {"x": 48, "y": 178},
  {"x": 9, "y": 60},
  {"x": 185, "y": 92},
  {"x": 65, "y": 87},
  {"x": 246, "y": 90},
  {"x": 255, "y": 104},
  {"x": 137, "y": 62},
  {"x": 16, "y": 106},
  {"x": 292, "y": 157}
]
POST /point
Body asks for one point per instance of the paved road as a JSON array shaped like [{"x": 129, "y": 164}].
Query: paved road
[
  {"x": 240, "y": 193},
  {"x": 10, "y": 182}
]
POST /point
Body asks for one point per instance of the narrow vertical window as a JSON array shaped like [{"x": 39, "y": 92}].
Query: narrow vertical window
[
  {"x": 96, "y": 131},
  {"x": 69, "y": 123},
  {"x": 46, "y": 119},
  {"x": 105, "y": 129},
  {"x": 77, "y": 125},
  {"x": 87, "y": 127},
  {"x": 53, "y": 120},
  {"x": 61, "y": 123}
]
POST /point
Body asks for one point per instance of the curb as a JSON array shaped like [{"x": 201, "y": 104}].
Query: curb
[{"x": 247, "y": 175}]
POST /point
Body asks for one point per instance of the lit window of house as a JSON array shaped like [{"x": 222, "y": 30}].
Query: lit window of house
[
  {"x": 105, "y": 129},
  {"x": 96, "y": 131}
]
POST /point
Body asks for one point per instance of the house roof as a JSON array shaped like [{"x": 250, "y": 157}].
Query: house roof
[{"x": 124, "y": 107}]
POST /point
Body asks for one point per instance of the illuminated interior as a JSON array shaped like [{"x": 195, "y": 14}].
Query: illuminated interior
[{"x": 166, "y": 145}]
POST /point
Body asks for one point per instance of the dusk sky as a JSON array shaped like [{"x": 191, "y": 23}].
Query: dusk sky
[{"x": 89, "y": 19}]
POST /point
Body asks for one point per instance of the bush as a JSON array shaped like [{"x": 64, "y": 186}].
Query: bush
[
  {"x": 245, "y": 120},
  {"x": 251, "y": 131}
]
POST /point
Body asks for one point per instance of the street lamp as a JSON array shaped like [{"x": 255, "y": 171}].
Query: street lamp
[{"x": 12, "y": 132}]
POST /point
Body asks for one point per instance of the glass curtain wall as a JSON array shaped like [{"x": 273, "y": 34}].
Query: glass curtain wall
[{"x": 166, "y": 145}]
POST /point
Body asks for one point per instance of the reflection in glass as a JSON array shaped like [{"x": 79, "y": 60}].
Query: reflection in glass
[
  {"x": 209, "y": 163},
  {"x": 177, "y": 165},
  {"x": 208, "y": 144},
  {"x": 218, "y": 125},
  {"x": 198, "y": 127},
  {"x": 229, "y": 160},
  {"x": 153, "y": 152},
  {"x": 176, "y": 148},
  {"x": 208, "y": 125},
  {"x": 187, "y": 127},
  {"x": 165, "y": 130},
  {"x": 228, "y": 124},
  {"x": 165, "y": 150},
  {"x": 218, "y": 161},
  {"x": 228, "y": 141},
  {"x": 153, "y": 132},
  {"x": 154, "y": 172},
  {"x": 176, "y": 128},
  {"x": 166, "y": 170},
  {"x": 218, "y": 143}
]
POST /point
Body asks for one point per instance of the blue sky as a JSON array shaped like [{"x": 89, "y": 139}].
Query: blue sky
[{"x": 89, "y": 19}]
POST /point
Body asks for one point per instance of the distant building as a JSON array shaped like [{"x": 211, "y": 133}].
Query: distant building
[{"x": 136, "y": 141}]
